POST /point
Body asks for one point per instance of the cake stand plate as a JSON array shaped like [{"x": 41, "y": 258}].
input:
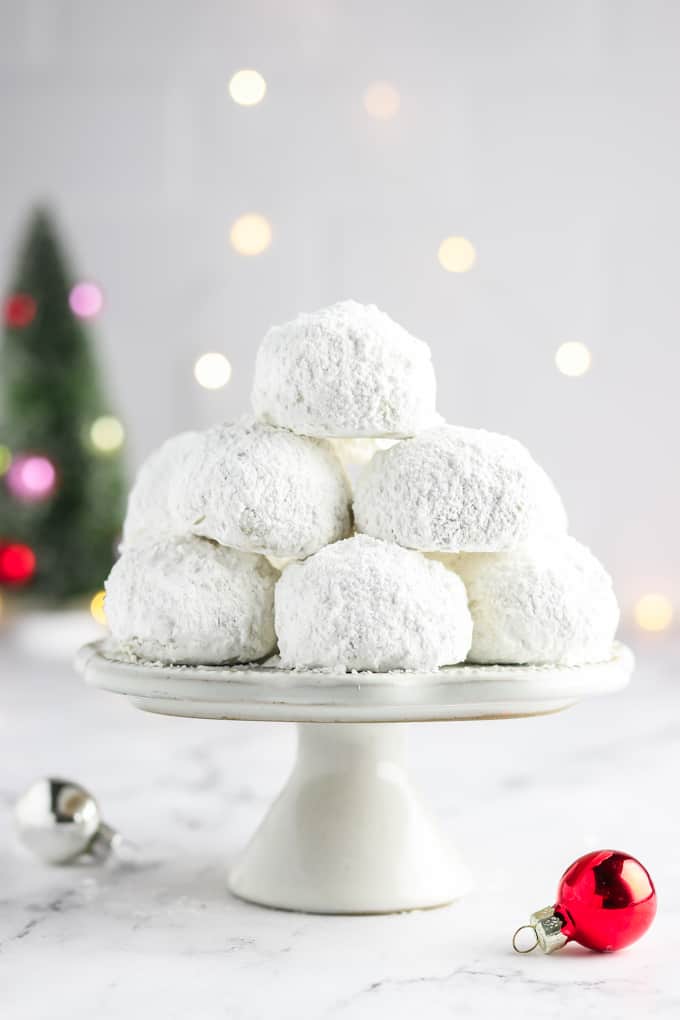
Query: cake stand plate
[{"x": 349, "y": 834}]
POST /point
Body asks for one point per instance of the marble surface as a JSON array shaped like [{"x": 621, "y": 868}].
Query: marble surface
[{"x": 161, "y": 936}]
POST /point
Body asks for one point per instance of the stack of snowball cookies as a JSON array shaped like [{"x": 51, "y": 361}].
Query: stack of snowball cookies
[{"x": 450, "y": 545}]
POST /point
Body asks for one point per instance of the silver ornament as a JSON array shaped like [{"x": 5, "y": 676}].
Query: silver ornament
[{"x": 59, "y": 821}]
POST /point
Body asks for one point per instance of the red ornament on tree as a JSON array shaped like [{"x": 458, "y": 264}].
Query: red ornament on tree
[
  {"x": 20, "y": 310},
  {"x": 17, "y": 564},
  {"x": 605, "y": 901}
]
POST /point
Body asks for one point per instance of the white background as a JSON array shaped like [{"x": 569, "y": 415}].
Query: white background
[{"x": 545, "y": 132}]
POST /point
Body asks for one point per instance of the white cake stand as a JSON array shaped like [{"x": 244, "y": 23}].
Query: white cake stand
[{"x": 348, "y": 834}]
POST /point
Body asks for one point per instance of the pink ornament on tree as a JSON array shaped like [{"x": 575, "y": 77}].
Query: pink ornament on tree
[
  {"x": 31, "y": 478},
  {"x": 86, "y": 299}
]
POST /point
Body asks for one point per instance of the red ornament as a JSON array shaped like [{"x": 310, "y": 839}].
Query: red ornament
[
  {"x": 605, "y": 901},
  {"x": 17, "y": 564},
  {"x": 20, "y": 310}
]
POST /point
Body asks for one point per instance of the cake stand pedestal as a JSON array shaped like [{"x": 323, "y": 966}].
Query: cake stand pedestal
[{"x": 349, "y": 834}]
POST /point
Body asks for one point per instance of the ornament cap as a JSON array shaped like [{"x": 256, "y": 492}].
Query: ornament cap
[
  {"x": 547, "y": 926},
  {"x": 106, "y": 841}
]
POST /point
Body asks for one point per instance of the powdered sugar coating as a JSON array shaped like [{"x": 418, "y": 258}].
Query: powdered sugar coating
[
  {"x": 369, "y": 605},
  {"x": 148, "y": 516},
  {"x": 548, "y": 601},
  {"x": 346, "y": 370},
  {"x": 455, "y": 489},
  {"x": 190, "y": 601},
  {"x": 261, "y": 489}
]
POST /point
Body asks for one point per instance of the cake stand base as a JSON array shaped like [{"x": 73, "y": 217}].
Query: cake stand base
[{"x": 348, "y": 834}]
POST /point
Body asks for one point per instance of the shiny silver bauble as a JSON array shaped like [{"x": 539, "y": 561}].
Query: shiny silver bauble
[{"x": 59, "y": 821}]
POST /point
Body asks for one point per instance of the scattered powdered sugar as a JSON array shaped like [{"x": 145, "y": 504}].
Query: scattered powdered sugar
[
  {"x": 261, "y": 489},
  {"x": 116, "y": 651},
  {"x": 187, "y": 600},
  {"x": 548, "y": 601},
  {"x": 148, "y": 515},
  {"x": 346, "y": 370},
  {"x": 456, "y": 489},
  {"x": 369, "y": 605}
]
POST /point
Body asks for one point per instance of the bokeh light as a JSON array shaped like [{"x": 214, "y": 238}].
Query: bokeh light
[
  {"x": 107, "y": 434},
  {"x": 250, "y": 234},
  {"x": 86, "y": 299},
  {"x": 97, "y": 607},
  {"x": 20, "y": 310},
  {"x": 247, "y": 87},
  {"x": 212, "y": 371},
  {"x": 573, "y": 358},
  {"x": 457, "y": 254},
  {"x": 5, "y": 459},
  {"x": 382, "y": 100},
  {"x": 17, "y": 564},
  {"x": 31, "y": 478},
  {"x": 653, "y": 611}
]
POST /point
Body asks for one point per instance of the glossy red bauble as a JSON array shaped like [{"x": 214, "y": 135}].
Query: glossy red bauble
[{"x": 606, "y": 899}]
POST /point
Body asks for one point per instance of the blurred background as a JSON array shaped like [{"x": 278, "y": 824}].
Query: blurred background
[{"x": 500, "y": 178}]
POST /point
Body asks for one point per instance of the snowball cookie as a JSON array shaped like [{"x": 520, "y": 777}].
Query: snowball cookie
[
  {"x": 261, "y": 489},
  {"x": 148, "y": 515},
  {"x": 347, "y": 370},
  {"x": 188, "y": 600},
  {"x": 547, "y": 601},
  {"x": 457, "y": 490},
  {"x": 365, "y": 604}
]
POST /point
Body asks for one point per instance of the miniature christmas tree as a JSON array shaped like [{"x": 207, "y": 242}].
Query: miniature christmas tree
[{"x": 62, "y": 490}]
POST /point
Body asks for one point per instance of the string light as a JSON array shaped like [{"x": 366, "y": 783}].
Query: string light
[
  {"x": 20, "y": 310},
  {"x": 573, "y": 358},
  {"x": 457, "y": 254},
  {"x": 250, "y": 234},
  {"x": 5, "y": 459},
  {"x": 247, "y": 87},
  {"x": 97, "y": 607},
  {"x": 86, "y": 299},
  {"x": 17, "y": 564},
  {"x": 653, "y": 611},
  {"x": 107, "y": 434},
  {"x": 31, "y": 479},
  {"x": 382, "y": 100},
  {"x": 212, "y": 371}
]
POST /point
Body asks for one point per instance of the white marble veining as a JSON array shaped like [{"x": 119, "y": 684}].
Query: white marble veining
[{"x": 161, "y": 937}]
